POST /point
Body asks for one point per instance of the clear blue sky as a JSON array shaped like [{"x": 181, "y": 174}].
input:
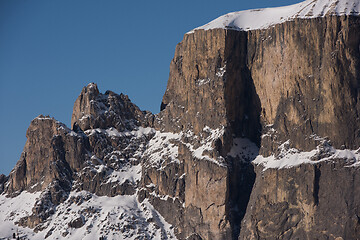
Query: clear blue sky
[{"x": 49, "y": 50}]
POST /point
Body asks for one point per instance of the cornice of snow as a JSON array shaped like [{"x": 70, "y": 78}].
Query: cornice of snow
[{"x": 266, "y": 17}]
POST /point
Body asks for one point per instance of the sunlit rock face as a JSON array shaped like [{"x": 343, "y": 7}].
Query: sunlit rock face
[{"x": 306, "y": 74}]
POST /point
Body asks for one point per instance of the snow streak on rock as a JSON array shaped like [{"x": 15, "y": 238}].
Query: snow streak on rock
[{"x": 291, "y": 157}]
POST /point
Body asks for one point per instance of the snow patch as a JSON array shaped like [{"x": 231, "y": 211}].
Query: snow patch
[
  {"x": 132, "y": 174},
  {"x": 206, "y": 145},
  {"x": 163, "y": 146},
  {"x": 200, "y": 82},
  {"x": 244, "y": 149},
  {"x": 291, "y": 157},
  {"x": 113, "y": 132},
  {"x": 120, "y": 217},
  {"x": 221, "y": 71},
  {"x": 12, "y": 210}
]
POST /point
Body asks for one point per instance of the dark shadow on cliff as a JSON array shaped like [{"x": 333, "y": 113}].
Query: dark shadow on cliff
[
  {"x": 243, "y": 109},
  {"x": 241, "y": 181}
]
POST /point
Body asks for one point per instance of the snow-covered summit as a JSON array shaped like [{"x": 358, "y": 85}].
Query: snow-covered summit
[{"x": 266, "y": 17}]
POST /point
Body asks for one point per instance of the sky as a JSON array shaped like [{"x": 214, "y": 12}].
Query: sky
[{"x": 50, "y": 50}]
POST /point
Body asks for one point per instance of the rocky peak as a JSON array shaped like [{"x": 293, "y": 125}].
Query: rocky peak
[
  {"x": 57, "y": 160},
  {"x": 92, "y": 90},
  {"x": 51, "y": 153},
  {"x": 96, "y": 110}
]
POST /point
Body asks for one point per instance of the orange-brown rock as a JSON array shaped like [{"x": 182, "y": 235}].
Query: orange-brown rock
[
  {"x": 306, "y": 202},
  {"x": 296, "y": 81},
  {"x": 52, "y": 152},
  {"x": 209, "y": 85},
  {"x": 306, "y": 74}
]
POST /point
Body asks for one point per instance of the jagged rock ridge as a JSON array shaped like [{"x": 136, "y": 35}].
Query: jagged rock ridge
[{"x": 289, "y": 93}]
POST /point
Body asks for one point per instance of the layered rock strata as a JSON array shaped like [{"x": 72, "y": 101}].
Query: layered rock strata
[{"x": 209, "y": 88}]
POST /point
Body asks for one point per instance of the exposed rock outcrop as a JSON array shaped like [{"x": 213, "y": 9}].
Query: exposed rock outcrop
[
  {"x": 319, "y": 201},
  {"x": 210, "y": 90},
  {"x": 57, "y": 160},
  {"x": 52, "y": 153},
  {"x": 3, "y": 180},
  {"x": 118, "y": 134},
  {"x": 209, "y": 85},
  {"x": 93, "y": 109},
  {"x": 306, "y": 74}
]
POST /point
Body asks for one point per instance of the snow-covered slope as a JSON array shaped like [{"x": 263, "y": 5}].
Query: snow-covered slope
[
  {"x": 266, "y": 17},
  {"x": 86, "y": 216}
]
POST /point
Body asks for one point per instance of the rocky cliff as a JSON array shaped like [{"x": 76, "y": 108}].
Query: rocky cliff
[
  {"x": 258, "y": 138},
  {"x": 285, "y": 84},
  {"x": 311, "y": 201}
]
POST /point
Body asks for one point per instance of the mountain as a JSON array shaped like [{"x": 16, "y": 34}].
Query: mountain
[{"x": 258, "y": 137}]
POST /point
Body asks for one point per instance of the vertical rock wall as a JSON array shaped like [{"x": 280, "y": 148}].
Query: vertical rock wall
[
  {"x": 52, "y": 152},
  {"x": 306, "y": 202},
  {"x": 306, "y": 74},
  {"x": 194, "y": 96},
  {"x": 296, "y": 81},
  {"x": 210, "y": 86}
]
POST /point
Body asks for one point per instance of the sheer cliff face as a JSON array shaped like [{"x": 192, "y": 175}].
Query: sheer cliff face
[
  {"x": 306, "y": 74},
  {"x": 52, "y": 152},
  {"x": 210, "y": 85},
  {"x": 307, "y": 77},
  {"x": 297, "y": 82},
  {"x": 196, "y": 76},
  {"x": 306, "y": 202},
  {"x": 209, "y": 88},
  {"x": 301, "y": 77}
]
